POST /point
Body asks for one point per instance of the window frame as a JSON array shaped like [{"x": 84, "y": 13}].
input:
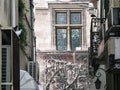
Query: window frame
[{"x": 68, "y": 26}]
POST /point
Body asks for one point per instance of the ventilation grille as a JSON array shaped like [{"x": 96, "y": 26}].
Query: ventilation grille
[
  {"x": 33, "y": 70},
  {"x": 5, "y": 67},
  {"x": 4, "y": 64}
]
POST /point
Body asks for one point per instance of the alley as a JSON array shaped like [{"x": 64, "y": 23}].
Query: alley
[{"x": 59, "y": 44}]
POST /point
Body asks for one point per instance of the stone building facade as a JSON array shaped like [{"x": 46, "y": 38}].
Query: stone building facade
[
  {"x": 15, "y": 48},
  {"x": 62, "y": 30}
]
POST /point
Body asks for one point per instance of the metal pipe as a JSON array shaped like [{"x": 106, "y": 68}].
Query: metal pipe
[
  {"x": 13, "y": 13},
  {"x": 32, "y": 30}
]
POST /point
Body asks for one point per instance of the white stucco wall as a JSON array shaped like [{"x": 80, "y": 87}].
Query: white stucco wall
[
  {"x": 102, "y": 79},
  {"x": 88, "y": 22},
  {"x": 43, "y": 29},
  {"x": 5, "y": 13}
]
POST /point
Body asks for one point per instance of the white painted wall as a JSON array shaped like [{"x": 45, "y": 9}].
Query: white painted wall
[
  {"x": 43, "y": 29},
  {"x": 117, "y": 48},
  {"x": 102, "y": 79},
  {"x": 5, "y": 13}
]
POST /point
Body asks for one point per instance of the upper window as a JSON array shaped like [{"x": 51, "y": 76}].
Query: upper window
[
  {"x": 75, "y": 18},
  {"x": 68, "y": 30},
  {"x": 61, "y": 18}
]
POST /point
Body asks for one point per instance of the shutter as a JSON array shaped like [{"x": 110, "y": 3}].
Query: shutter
[
  {"x": 33, "y": 70},
  {"x": 6, "y": 73}
]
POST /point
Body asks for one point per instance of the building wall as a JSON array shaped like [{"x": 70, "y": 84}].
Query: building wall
[
  {"x": 12, "y": 62},
  {"x": 9, "y": 18},
  {"x": 44, "y": 26},
  {"x": 102, "y": 78},
  {"x": 5, "y": 12},
  {"x": 26, "y": 52},
  {"x": 44, "y": 33},
  {"x": 108, "y": 48},
  {"x": 43, "y": 29},
  {"x": 27, "y": 49}
]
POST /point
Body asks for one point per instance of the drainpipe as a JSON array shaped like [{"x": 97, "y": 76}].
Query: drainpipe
[
  {"x": 32, "y": 29},
  {"x": 13, "y": 13},
  {"x": 101, "y": 13}
]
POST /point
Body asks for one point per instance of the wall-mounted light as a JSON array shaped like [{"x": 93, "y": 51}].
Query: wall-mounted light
[{"x": 98, "y": 82}]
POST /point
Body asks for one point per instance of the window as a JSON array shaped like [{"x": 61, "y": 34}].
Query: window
[
  {"x": 61, "y": 39},
  {"x": 116, "y": 16},
  {"x": 68, "y": 29},
  {"x": 75, "y": 18},
  {"x": 75, "y": 38},
  {"x": 61, "y": 18}
]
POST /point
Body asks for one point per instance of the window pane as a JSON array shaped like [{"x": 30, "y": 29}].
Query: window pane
[
  {"x": 61, "y": 39},
  {"x": 116, "y": 16},
  {"x": 75, "y": 38},
  {"x": 61, "y": 18},
  {"x": 75, "y": 18}
]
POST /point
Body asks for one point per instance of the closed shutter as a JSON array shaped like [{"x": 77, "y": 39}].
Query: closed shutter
[
  {"x": 33, "y": 69},
  {"x": 6, "y": 72}
]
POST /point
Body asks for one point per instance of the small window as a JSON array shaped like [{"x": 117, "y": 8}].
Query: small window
[
  {"x": 116, "y": 16},
  {"x": 61, "y": 39},
  {"x": 75, "y": 38},
  {"x": 75, "y": 18},
  {"x": 61, "y": 18}
]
